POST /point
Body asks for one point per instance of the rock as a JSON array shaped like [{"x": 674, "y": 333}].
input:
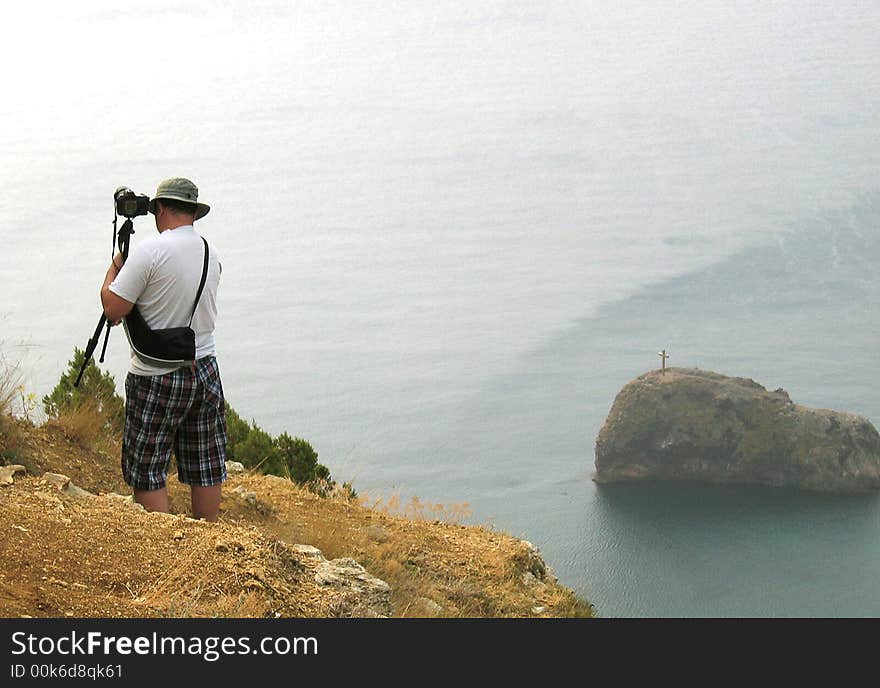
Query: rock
[
  {"x": 249, "y": 497},
  {"x": 124, "y": 500},
  {"x": 307, "y": 551},
  {"x": 221, "y": 546},
  {"x": 234, "y": 467},
  {"x": 367, "y": 596},
  {"x": 64, "y": 484},
  {"x": 688, "y": 424},
  {"x": 58, "y": 480},
  {"x": 536, "y": 569},
  {"x": 75, "y": 491},
  {"x": 7, "y": 473}
]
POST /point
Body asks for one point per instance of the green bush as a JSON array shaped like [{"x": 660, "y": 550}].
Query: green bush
[
  {"x": 96, "y": 388},
  {"x": 298, "y": 459},
  {"x": 237, "y": 431},
  {"x": 256, "y": 449},
  {"x": 285, "y": 456}
]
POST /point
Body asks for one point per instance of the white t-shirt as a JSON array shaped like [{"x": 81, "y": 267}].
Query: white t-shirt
[{"x": 161, "y": 276}]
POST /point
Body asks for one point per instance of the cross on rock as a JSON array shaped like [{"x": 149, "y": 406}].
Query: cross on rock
[{"x": 663, "y": 356}]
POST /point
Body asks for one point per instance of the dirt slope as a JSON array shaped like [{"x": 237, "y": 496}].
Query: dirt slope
[{"x": 80, "y": 556}]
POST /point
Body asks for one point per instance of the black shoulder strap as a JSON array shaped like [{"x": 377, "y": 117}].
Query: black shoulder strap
[{"x": 201, "y": 284}]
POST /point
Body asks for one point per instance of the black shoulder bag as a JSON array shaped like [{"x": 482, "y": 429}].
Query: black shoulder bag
[{"x": 173, "y": 346}]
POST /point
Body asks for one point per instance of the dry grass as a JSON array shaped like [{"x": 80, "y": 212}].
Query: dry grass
[
  {"x": 10, "y": 386},
  {"x": 416, "y": 509},
  {"x": 12, "y": 436},
  {"x": 85, "y": 425},
  {"x": 12, "y": 441},
  {"x": 126, "y": 563},
  {"x": 434, "y": 567}
]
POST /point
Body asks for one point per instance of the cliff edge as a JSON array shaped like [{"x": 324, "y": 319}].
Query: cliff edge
[
  {"x": 74, "y": 546},
  {"x": 689, "y": 424}
]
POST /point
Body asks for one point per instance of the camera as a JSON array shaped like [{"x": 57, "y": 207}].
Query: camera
[{"x": 129, "y": 204}]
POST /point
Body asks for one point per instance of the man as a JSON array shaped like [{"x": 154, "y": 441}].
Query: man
[{"x": 166, "y": 407}]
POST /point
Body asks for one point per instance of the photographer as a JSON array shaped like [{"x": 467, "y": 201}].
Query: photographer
[{"x": 170, "y": 407}]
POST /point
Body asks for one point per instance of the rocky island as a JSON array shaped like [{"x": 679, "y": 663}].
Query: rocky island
[{"x": 689, "y": 424}]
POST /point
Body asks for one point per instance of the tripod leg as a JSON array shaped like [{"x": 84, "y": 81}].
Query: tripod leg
[
  {"x": 106, "y": 339},
  {"x": 90, "y": 349}
]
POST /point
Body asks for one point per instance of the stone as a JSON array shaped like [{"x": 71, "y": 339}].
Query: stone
[
  {"x": 57, "y": 480},
  {"x": 234, "y": 467},
  {"x": 536, "y": 569},
  {"x": 76, "y": 491},
  {"x": 307, "y": 551},
  {"x": 249, "y": 497},
  {"x": 7, "y": 473},
  {"x": 367, "y": 596},
  {"x": 695, "y": 425},
  {"x": 65, "y": 485},
  {"x": 124, "y": 500}
]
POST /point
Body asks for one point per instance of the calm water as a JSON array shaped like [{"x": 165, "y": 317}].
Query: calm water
[{"x": 452, "y": 232}]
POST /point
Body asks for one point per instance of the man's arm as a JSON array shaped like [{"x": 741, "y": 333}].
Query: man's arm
[{"x": 115, "y": 307}]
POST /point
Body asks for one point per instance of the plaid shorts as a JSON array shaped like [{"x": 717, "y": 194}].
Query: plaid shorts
[{"x": 182, "y": 410}]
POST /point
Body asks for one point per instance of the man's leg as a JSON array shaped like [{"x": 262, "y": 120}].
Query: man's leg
[
  {"x": 146, "y": 441},
  {"x": 206, "y": 502},
  {"x": 153, "y": 500},
  {"x": 200, "y": 445}
]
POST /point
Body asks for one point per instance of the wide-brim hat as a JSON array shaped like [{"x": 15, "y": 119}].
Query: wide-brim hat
[{"x": 180, "y": 189}]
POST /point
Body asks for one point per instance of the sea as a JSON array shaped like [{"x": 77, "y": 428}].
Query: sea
[{"x": 452, "y": 231}]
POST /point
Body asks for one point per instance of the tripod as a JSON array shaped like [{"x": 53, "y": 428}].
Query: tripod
[{"x": 123, "y": 239}]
